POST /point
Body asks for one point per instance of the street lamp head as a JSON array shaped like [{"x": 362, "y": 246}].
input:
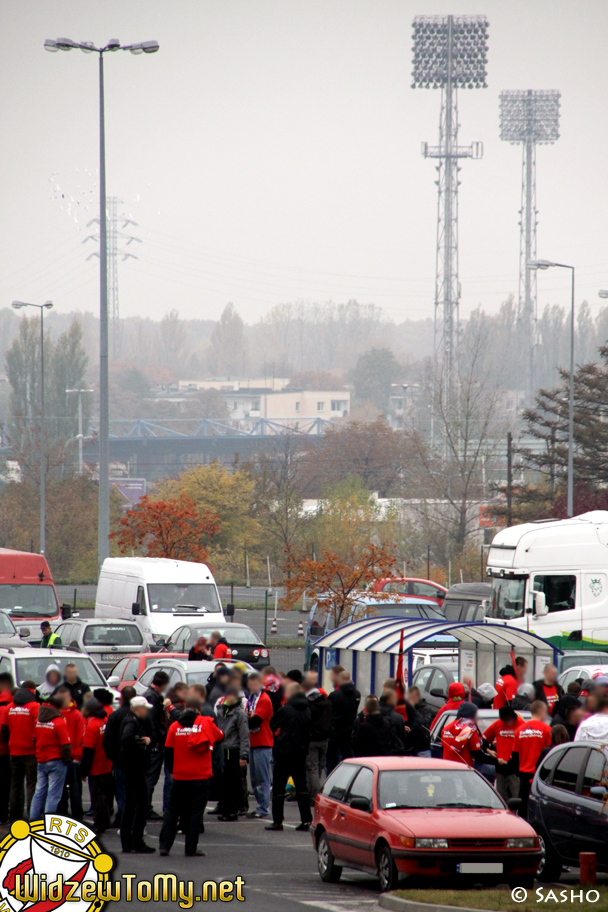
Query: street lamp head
[
  {"x": 539, "y": 264},
  {"x": 48, "y": 304},
  {"x": 18, "y": 305},
  {"x": 87, "y": 47},
  {"x": 603, "y": 293},
  {"x": 113, "y": 44},
  {"x": 150, "y": 47},
  {"x": 50, "y": 45},
  {"x": 65, "y": 44}
]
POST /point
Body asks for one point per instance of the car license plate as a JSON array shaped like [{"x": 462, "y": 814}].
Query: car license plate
[
  {"x": 479, "y": 867},
  {"x": 109, "y": 656}
]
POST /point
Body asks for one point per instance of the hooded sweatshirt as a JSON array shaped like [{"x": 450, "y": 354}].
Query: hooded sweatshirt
[
  {"x": 94, "y": 760},
  {"x": 593, "y": 728},
  {"x": 75, "y": 723},
  {"x": 260, "y": 712},
  {"x": 456, "y": 696},
  {"x": 51, "y": 736},
  {"x": 373, "y": 736},
  {"x": 344, "y": 706},
  {"x": 506, "y": 687},
  {"x": 189, "y": 745},
  {"x": 222, "y": 650},
  {"x": 321, "y": 713},
  {"x": 6, "y": 701},
  {"x": 291, "y": 726},
  {"x": 47, "y": 688},
  {"x": 21, "y": 722}
]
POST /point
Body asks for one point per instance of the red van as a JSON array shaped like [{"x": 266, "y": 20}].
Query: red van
[{"x": 27, "y": 591}]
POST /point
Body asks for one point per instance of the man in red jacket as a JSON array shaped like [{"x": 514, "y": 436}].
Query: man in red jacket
[
  {"x": 96, "y": 765},
  {"x": 188, "y": 749},
  {"x": 18, "y": 731},
  {"x": 511, "y": 676},
  {"x": 72, "y": 792},
  {"x": 455, "y": 698},
  {"x": 219, "y": 646},
  {"x": 53, "y": 755},
  {"x": 7, "y": 687},
  {"x": 261, "y": 740},
  {"x": 532, "y": 738}
]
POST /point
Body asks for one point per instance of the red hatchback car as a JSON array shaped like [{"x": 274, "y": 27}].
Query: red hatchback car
[
  {"x": 417, "y": 816},
  {"x": 128, "y": 670}
]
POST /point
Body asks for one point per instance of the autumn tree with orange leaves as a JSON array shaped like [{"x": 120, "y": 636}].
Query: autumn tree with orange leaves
[
  {"x": 167, "y": 528},
  {"x": 337, "y": 584}
]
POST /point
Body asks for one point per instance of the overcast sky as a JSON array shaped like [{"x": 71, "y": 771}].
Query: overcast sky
[{"x": 271, "y": 152}]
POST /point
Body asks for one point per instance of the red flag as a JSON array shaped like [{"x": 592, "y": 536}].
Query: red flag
[{"x": 400, "y": 689}]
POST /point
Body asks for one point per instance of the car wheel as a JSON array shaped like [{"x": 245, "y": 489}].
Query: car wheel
[
  {"x": 387, "y": 871},
  {"x": 550, "y": 865},
  {"x": 329, "y": 871}
]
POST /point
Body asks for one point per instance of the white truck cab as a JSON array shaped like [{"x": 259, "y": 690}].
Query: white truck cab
[
  {"x": 551, "y": 577},
  {"x": 156, "y": 592}
]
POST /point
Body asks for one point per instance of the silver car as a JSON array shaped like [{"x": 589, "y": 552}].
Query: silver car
[
  {"x": 178, "y": 670},
  {"x": 104, "y": 639},
  {"x": 31, "y": 665}
]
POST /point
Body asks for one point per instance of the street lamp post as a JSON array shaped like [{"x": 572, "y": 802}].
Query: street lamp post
[
  {"x": 144, "y": 47},
  {"x": 41, "y": 307},
  {"x": 547, "y": 264},
  {"x": 80, "y": 437}
]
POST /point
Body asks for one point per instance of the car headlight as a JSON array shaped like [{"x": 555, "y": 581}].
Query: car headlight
[
  {"x": 522, "y": 842},
  {"x": 408, "y": 841},
  {"x": 431, "y": 843}
]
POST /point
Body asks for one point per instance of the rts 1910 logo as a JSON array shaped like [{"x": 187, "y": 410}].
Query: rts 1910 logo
[{"x": 51, "y": 863}]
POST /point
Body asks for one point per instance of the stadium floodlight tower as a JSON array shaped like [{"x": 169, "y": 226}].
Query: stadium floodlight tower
[
  {"x": 450, "y": 53},
  {"x": 530, "y": 118}
]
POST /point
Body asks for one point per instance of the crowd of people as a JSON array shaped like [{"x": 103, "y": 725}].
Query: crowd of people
[{"x": 281, "y": 733}]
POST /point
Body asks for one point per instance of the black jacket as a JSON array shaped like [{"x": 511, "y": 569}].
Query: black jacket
[
  {"x": 540, "y": 693},
  {"x": 156, "y": 716},
  {"x": 402, "y": 740},
  {"x": 78, "y": 690},
  {"x": 295, "y": 722},
  {"x": 373, "y": 736},
  {"x": 111, "y": 736},
  {"x": 320, "y": 715},
  {"x": 134, "y": 754},
  {"x": 47, "y": 713},
  {"x": 215, "y": 690},
  {"x": 345, "y": 705}
]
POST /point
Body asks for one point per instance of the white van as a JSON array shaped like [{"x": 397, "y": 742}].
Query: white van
[
  {"x": 551, "y": 578},
  {"x": 156, "y": 592}
]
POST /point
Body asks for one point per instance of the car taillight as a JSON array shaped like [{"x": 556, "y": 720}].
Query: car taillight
[
  {"x": 264, "y": 653},
  {"x": 256, "y": 653}
]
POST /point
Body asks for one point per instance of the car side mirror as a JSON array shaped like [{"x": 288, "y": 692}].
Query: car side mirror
[
  {"x": 24, "y": 632},
  {"x": 161, "y": 643},
  {"x": 514, "y": 804},
  {"x": 74, "y": 645},
  {"x": 437, "y": 692},
  {"x": 113, "y": 680},
  {"x": 598, "y": 791},
  {"x": 229, "y": 611},
  {"x": 135, "y": 608},
  {"x": 360, "y": 804},
  {"x": 540, "y": 604},
  {"x": 66, "y": 612}
]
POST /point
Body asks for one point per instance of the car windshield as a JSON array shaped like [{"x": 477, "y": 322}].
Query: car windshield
[
  {"x": 6, "y": 625},
  {"x": 169, "y": 596},
  {"x": 507, "y": 598},
  {"x": 28, "y": 601},
  {"x": 590, "y": 658},
  {"x": 197, "y": 677},
  {"x": 35, "y": 669},
  {"x": 435, "y": 789},
  {"x": 112, "y": 635},
  {"x": 402, "y": 609}
]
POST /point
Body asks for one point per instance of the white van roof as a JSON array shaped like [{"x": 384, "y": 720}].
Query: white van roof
[
  {"x": 576, "y": 542},
  {"x": 158, "y": 569}
]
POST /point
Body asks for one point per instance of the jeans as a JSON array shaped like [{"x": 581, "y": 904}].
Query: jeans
[
  {"x": 259, "y": 769},
  {"x": 72, "y": 791},
  {"x": 134, "y": 812},
  {"x": 315, "y": 768},
  {"x": 286, "y": 765},
  {"x": 507, "y": 786},
  {"x": 23, "y": 767},
  {"x": 230, "y": 783},
  {"x": 153, "y": 773},
  {"x": 102, "y": 798},
  {"x": 49, "y": 788},
  {"x": 186, "y": 803},
  {"x": 339, "y": 748},
  {"x": 5, "y": 785},
  {"x": 167, "y": 786},
  {"x": 120, "y": 792}
]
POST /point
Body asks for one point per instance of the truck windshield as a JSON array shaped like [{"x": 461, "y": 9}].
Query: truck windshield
[
  {"x": 507, "y": 598},
  {"x": 28, "y": 601},
  {"x": 167, "y": 597}
]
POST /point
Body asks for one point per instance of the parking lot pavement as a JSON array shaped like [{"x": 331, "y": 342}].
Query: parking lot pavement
[{"x": 279, "y": 869}]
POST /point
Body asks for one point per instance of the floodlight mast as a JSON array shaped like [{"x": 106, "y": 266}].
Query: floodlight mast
[
  {"x": 529, "y": 117},
  {"x": 450, "y": 52}
]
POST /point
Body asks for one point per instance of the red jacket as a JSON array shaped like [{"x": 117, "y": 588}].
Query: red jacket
[
  {"x": 75, "y": 722},
  {"x": 21, "y": 722},
  {"x": 460, "y": 740},
  {"x": 191, "y": 741},
  {"x": 6, "y": 701},
  {"x": 97, "y": 763},
  {"x": 222, "y": 651},
  {"x": 260, "y": 707},
  {"x": 455, "y": 698},
  {"x": 51, "y": 736},
  {"x": 506, "y": 687}
]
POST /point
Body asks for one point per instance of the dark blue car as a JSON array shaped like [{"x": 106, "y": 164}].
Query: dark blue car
[{"x": 568, "y": 806}]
